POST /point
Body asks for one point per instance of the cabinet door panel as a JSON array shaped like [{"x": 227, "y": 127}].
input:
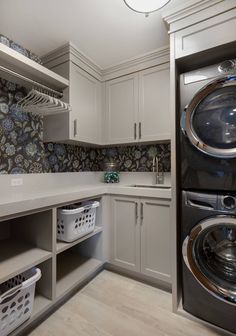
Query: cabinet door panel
[
  {"x": 125, "y": 233},
  {"x": 121, "y": 109},
  {"x": 154, "y": 103},
  {"x": 155, "y": 239},
  {"x": 207, "y": 34},
  {"x": 84, "y": 99}
]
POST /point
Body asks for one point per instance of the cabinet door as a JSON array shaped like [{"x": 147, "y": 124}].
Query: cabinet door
[
  {"x": 154, "y": 103},
  {"x": 85, "y": 99},
  {"x": 125, "y": 233},
  {"x": 121, "y": 109},
  {"x": 214, "y": 32},
  {"x": 155, "y": 239}
]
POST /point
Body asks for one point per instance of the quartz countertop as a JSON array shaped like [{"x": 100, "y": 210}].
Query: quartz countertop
[{"x": 67, "y": 188}]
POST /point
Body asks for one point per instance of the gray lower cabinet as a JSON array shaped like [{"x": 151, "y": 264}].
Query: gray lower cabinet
[
  {"x": 155, "y": 238},
  {"x": 125, "y": 233},
  {"x": 141, "y": 236}
]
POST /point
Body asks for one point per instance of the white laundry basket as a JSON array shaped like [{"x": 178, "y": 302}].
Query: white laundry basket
[
  {"x": 17, "y": 300},
  {"x": 76, "y": 221}
]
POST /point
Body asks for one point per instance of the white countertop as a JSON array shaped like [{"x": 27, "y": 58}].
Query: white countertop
[{"x": 48, "y": 190}]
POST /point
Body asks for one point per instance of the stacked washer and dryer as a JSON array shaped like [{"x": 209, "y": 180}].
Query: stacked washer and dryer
[{"x": 208, "y": 193}]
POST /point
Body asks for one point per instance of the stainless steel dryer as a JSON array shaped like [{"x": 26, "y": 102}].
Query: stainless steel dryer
[
  {"x": 208, "y": 128},
  {"x": 208, "y": 228}
]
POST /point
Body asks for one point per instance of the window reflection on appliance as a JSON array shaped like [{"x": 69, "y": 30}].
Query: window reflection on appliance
[{"x": 214, "y": 252}]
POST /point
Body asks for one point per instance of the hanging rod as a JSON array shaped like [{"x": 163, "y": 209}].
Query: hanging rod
[{"x": 15, "y": 74}]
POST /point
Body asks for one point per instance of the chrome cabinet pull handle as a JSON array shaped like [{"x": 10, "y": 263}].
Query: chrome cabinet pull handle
[
  {"x": 140, "y": 130},
  {"x": 135, "y": 131},
  {"x": 141, "y": 216},
  {"x": 75, "y": 128},
  {"x": 136, "y": 212}
]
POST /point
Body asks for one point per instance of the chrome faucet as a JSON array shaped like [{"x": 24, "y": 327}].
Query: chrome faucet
[{"x": 158, "y": 174}]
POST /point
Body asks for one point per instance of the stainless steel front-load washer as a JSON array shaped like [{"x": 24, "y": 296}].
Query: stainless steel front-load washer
[
  {"x": 208, "y": 128},
  {"x": 208, "y": 235}
]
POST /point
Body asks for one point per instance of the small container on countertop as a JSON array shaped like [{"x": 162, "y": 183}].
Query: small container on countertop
[{"x": 111, "y": 174}]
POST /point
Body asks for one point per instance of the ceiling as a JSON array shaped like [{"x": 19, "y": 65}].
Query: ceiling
[{"x": 106, "y": 31}]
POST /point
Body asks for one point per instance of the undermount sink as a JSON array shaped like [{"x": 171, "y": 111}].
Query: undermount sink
[{"x": 155, "y": 186}]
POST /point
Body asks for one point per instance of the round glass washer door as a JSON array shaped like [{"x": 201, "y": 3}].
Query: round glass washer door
[
  {"x": 210, "y": 254},
  {"x": 211, "y": 118}
]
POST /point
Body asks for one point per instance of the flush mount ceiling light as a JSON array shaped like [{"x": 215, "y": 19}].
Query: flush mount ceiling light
[{"x": 146, "y": 6}]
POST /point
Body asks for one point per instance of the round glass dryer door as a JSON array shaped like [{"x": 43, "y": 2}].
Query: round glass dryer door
[
  {"x": 211, "y": 118},
  {"x": 210, "y": 254}
]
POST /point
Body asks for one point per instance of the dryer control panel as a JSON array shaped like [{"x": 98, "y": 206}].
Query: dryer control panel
[
  {"x": 228, "y": 202},
  {"x": 225, "y": 203}
]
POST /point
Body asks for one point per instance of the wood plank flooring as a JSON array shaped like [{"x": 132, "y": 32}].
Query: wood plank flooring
[{"x": 113, "y": 305}]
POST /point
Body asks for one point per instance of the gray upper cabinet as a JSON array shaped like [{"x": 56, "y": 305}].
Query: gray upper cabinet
[
  {"x": 154, "y": 103},
  {"x": 84, "y": 122},
  {"x": 85, "y": 99},
  {"x": 122, "y": 109},
  {"x": 211, "y": 33},
  {"x": 138, "y": 107},
  {"x": 140, "y": 236}
]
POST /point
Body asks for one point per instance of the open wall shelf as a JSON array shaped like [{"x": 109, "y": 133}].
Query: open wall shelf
[{"x": 24, "y": 66}]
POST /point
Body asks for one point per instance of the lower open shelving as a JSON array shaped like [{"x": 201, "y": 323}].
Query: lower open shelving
[
  {"x": 18, "y": 256},
  {"x": 30, "y": 241},
  {"x": 72, "y": 270},
  {"x": 63, "y": 246}
]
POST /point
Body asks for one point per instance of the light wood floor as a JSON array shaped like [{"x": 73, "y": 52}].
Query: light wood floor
[{"x": 113, "y": 305}]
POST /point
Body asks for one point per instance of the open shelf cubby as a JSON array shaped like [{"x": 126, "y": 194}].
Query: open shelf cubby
[
  {"x": 43, "y": 295},
  {"x": 24, "y": 242},
  {"x": 77, "y": 264},
  {"x": 63, "y": 246}
]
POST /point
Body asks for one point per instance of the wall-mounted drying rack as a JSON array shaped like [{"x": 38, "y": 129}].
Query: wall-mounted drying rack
[
  {"x": 40, "y": 103},
  {"x": 24, "y": 71},
  {"x": 45, "y": 86}
]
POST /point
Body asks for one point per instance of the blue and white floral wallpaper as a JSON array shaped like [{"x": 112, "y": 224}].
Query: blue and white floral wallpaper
[{"x": 22, "y": 149}]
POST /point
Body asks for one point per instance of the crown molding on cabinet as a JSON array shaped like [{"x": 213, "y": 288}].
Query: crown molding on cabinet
[
  {"x": 153, "y": 58},
  {"x": 69, "y": 52},
  {"x": 195, "y": 11}
]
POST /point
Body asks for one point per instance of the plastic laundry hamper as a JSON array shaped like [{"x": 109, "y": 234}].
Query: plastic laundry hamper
[
  {"x": 76, "y": 221},
  {"x": 17, "y": 300}
]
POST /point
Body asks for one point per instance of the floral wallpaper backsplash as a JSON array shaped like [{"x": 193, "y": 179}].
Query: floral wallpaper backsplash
[
  {"x": 22, "y": 149},
  {"x": 68, "y": 158}
]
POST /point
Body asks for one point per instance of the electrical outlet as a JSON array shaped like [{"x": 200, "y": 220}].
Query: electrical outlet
[{"x": 15, "y": 182}]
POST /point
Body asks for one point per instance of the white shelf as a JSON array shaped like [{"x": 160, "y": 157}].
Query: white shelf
[
  {"x": 17, "y": 256},
  {"x": 21, "y": 64},
  {"x": 72, "y": 270},
  {"x": 63, "y": 246}
]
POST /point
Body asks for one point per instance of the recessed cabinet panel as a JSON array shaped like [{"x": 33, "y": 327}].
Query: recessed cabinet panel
[
  {"x": 83, "y": 123},
  {"x": 155, "y": 239},
  {"x": 121, "y": 107},
  {"x": 211, "y": 33},
  {"x": 141, "y": 236},
  {"x": 84, "y": 99},
  {"x": 154, "y": 103},
  {"x": 125, "y": 233}
]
